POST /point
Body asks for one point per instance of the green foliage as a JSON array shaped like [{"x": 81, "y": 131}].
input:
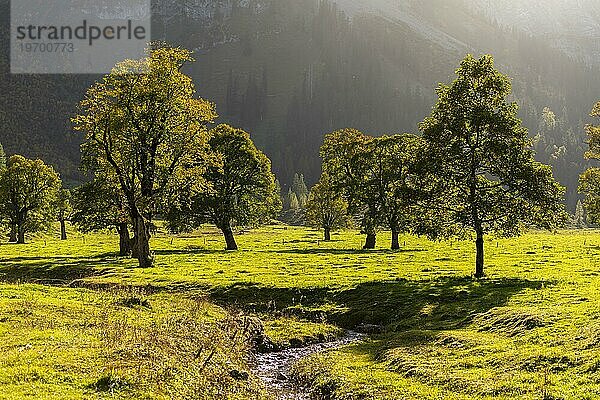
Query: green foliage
[
  {"x": 367, "y": 72},
  {"x": 579, "y": 219},
  {"x": 397, "y": 180},
  {"x": 29, "y": 190},
  {"x": 548, "y": 119},
  {"x": 326, "y": 209},
  {"x": 278, "y": 190},
  {"x": 242, "y": 187},
  {"x": 488, "y": 179},
  {"x": 589, "y": 182},
  {"x": 239, "y": 190},
  {"x": 143, "y": 127},
  {"x": 590, "y": 186},
  {"x": 299, "y": 188},
  {"x": 559, "y": 145},
  {"x": 346, "y": 161},
  {"x": 383, "y": 179},
  {"x": 64, "y": 206},
  {"x": 98, "y": 205},
  {"x": 293, "y": 203},
  {"x": 593, "y": 135}
]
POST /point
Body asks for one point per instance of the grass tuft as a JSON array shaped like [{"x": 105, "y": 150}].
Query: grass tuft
[
  {"x": 133, "y": 302},
  {"x": 509, "y": 322}
]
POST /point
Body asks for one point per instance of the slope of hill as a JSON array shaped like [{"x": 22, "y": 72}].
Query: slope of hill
[
  {"x": 404, "y": 13},
  {"x": 571, "y": 25}
]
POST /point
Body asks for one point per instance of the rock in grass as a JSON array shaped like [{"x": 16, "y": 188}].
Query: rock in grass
[
  {"x": 110, "y": 383},
  {"x": 254, "y": 330},
  {"x": 369, "y": 329},
  {"x": 281, "y": 377},
  {"x": 239, "y": 375}
]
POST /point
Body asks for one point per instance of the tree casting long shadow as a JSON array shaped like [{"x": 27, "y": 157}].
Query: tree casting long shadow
[
  {"x": 54, "y": 270},
  {"x": 444, "y": 303},
  {"x": 346, "y": 252}
]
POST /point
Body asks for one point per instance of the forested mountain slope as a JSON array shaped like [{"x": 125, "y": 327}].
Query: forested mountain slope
[
  {"x": 291, "y": 70},
  {"x": 570, "y": 25}
]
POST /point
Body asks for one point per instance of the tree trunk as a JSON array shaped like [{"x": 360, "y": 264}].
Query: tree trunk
[
  {"x": 133, "y": 247},
  {"x": 125, "y": 242},
  {"x": 229, "y": 238},
  {"x": 21, "y": 234},
  {"x": 371, "y": 241},
  {"x": 63, "y": 229},
  {"x": 141, "y": 246},
  {"x": 395, "y": 240},
  {"x": 327, "y": 235},
  {"x": 13, "y": 234},
  {"x": 480, "y": 255}
]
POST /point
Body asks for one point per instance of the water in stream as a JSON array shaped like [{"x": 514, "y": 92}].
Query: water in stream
[{"x": 274, "y": 368}]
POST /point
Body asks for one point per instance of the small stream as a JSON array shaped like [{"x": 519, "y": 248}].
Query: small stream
[{"x": 274, "y": 368}]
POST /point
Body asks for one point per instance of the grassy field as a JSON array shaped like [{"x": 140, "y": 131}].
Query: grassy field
[{"x": 79, "y": 322}]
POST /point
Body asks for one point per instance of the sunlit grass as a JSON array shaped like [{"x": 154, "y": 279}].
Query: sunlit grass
[
  {"x": 63, "y": 343},
  {"x": 293, "y": 257},
  {"x": 529, "y": 330}
]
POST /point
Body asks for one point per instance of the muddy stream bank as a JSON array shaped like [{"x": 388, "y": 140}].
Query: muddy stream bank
[{"x": 274, "y": 368}]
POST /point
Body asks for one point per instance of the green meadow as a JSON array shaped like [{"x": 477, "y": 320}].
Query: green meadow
[{"x": 76, "y": 321}]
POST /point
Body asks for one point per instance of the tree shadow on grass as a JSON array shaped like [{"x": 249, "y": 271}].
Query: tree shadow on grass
[
  {"x": 188, "y": 251},
  {"x": 443, "y": 303},
  {"x": 326, "y": 251},
  {"x": 54, "y": 270},
  {"x": 20, "y": 259}
]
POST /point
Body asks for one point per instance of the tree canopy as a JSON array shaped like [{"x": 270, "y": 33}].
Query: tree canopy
[
  {"x": 98, "y": 205},
  {"x": 326, "y": 209},
  {"x": 488, "y": 180},
  {"x": 383, "y": 179},
  {"x": 28, "y": 194},
  {"x": 396, "y": 181},
  {"x": 590, "y": 179},
  {"x": 237, "y": 187},
  {"x": 143, "y": 126},
  {"x": 346, "y": 162}
]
